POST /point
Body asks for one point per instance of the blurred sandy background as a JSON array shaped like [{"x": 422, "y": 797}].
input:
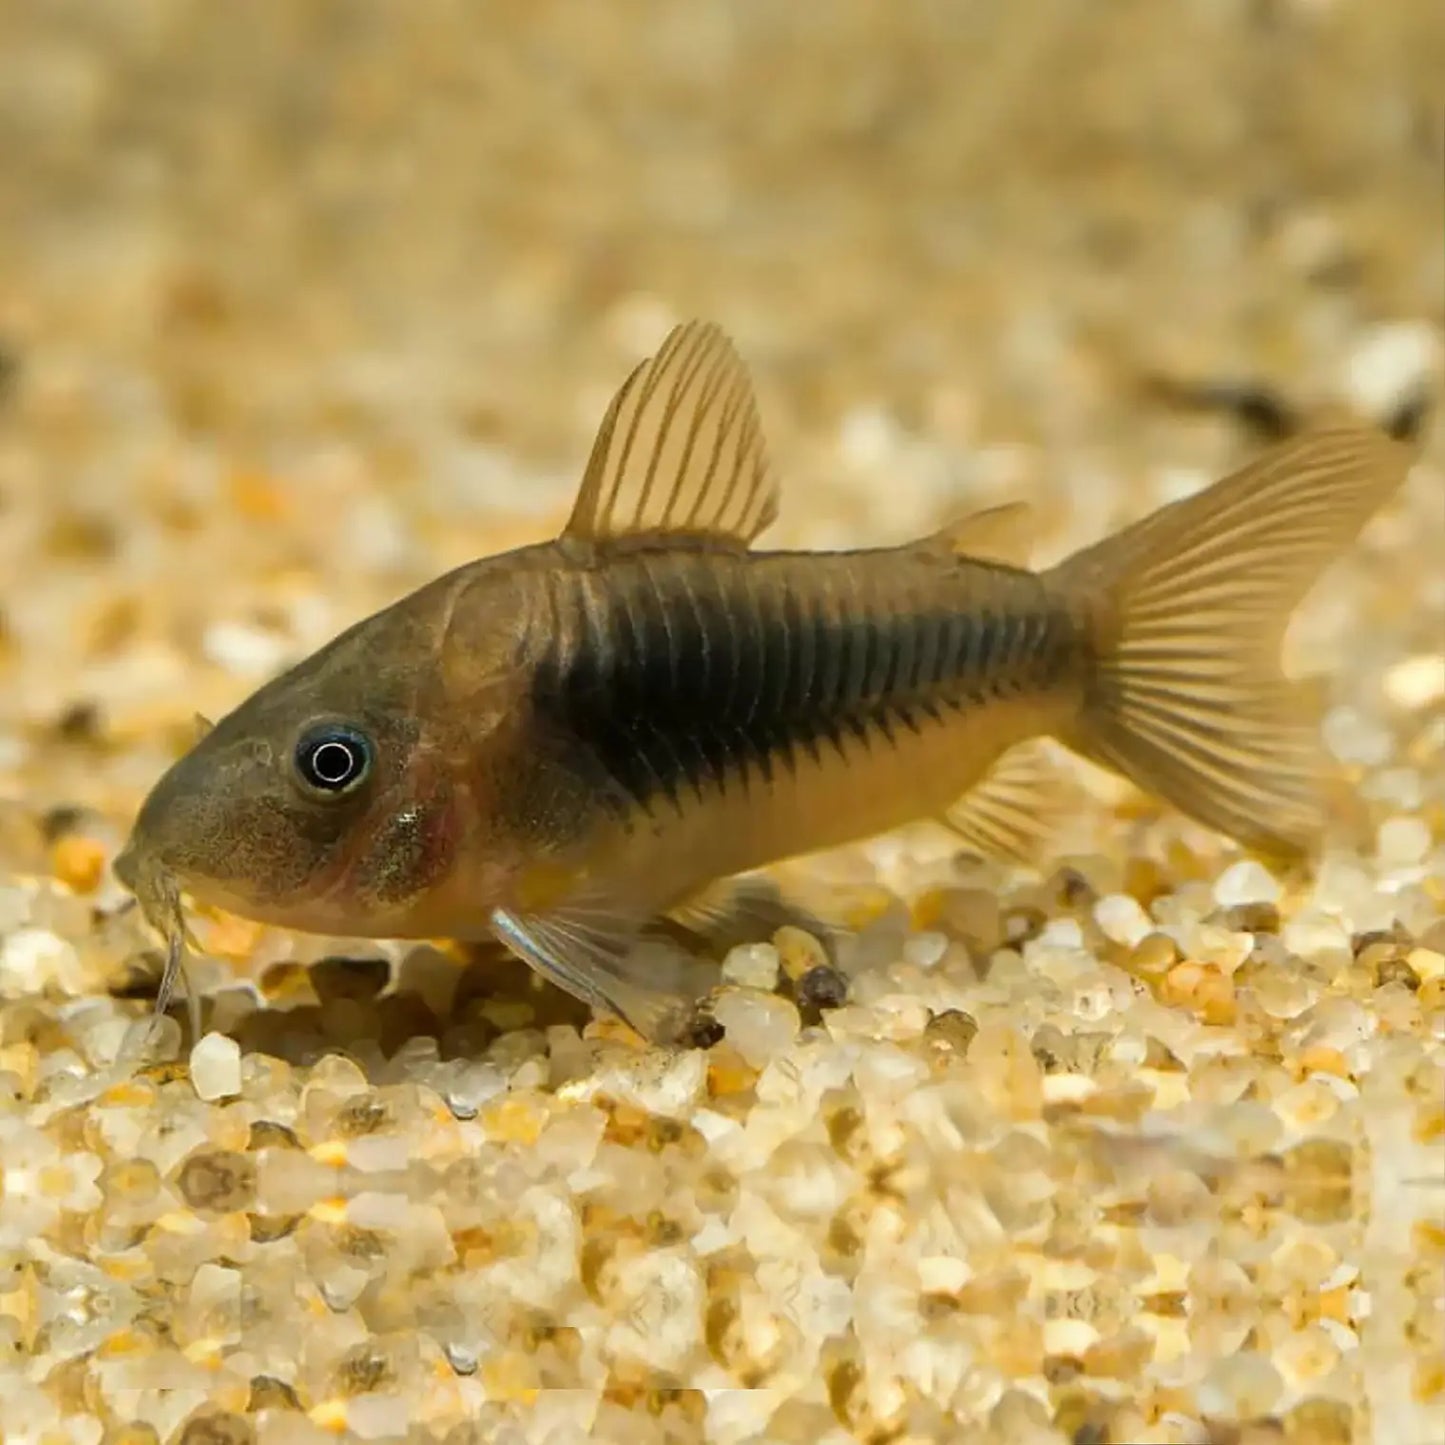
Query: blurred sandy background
[{"x": 301, "y": 303}]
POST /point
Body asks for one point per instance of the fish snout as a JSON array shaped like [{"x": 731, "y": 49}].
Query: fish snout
[{"x": 126, "y": 866}]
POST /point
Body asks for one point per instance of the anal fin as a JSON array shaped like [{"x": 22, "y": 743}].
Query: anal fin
[{"x": 1015, "y": 810}]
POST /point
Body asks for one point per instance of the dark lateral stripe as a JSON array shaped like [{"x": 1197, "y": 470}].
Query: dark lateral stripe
[{"x": 702, "y": 678}]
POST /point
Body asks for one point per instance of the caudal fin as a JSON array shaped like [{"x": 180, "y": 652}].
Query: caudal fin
[{"x": 1187, "y": 611}]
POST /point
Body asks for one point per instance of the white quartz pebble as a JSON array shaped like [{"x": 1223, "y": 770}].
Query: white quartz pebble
[{"x": 216, "y": 1067}]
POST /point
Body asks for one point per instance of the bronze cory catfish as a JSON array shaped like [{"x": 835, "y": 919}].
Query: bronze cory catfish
[{"x": 557, "y": 746}]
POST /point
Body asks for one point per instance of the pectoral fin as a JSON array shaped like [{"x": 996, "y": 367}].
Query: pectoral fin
[{"x": 604, "y": 957}]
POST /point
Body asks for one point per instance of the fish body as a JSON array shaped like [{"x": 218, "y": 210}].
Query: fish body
[
  {"x": 685, "y": 714},
  {"x": 557, "y": 746}
]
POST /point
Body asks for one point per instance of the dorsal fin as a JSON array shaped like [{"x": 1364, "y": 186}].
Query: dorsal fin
[
  {"x": 996, "y": 534},
  {"x": 680, "y": 449}
]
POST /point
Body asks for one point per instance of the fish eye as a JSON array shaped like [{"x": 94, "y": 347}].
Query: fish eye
[{"x": 332, "y": 759}]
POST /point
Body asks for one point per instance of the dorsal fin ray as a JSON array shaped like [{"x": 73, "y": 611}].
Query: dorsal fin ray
[
  {"x": 680, "y": 449},
  {"x": 996, "y": 534}
]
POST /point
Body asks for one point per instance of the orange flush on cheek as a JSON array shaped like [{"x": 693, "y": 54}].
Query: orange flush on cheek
[{"x": 411, "y": 851}]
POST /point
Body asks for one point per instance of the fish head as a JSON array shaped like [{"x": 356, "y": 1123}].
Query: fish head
[{"x": 329, "y": 801}]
